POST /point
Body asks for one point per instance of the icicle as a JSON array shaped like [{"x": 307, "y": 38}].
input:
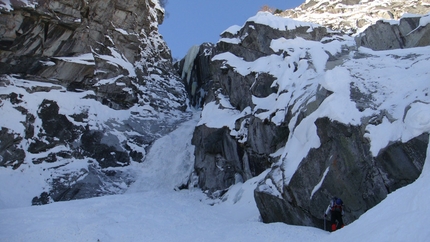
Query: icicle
[{"x": 189, "y": 61}]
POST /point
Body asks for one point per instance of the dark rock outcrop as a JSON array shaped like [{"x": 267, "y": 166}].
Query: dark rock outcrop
[
  {"x": 196, "y": 73},
  {"x": 221, "y": 161},
  {"x": 11, "y": 154}
]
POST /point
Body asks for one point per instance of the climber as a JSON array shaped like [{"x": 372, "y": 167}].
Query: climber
[{"x": 336, "y": 209}]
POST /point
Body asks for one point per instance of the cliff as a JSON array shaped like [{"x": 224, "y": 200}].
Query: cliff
[
  {"x": 318, "y": 109},
  {"x": 86, "y": 87}
]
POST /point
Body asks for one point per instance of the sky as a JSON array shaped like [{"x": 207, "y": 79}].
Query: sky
[{"x": 194, "y": 22}]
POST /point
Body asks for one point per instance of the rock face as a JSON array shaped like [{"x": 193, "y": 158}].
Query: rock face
[
  {"x": 407, "y": 33},
  {"x": 353, "y": 15},
  {"x": 276, "y": 84},
  {"x": 220, "y": 157},
  {"x": 196, "y": 72},
  {"x": 353, "y": 174},
  {"x": 91, "y": 86},
  {"x": 88, "y": 46}
]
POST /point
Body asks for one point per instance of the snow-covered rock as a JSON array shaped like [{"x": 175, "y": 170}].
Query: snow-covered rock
[
  {"x": 325, "y": 115},
  {"x": 86, "y": 88},
  {"x": 195, "y": 72},
  {"x": 355, "y": 15}
]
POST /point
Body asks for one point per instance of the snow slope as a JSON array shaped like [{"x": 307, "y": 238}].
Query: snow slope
[
  {"x": 151, "y": 210},
  {"x": 163, "y": 214}
]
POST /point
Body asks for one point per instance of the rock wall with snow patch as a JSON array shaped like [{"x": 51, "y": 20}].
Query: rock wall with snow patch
[
  {"x": 353, "y": 16},
  {"x": 110, "y": 47},
  {"x": 406, "y": 33},
  {"x": 327, "y": 116},
  {"x": 85, "y": 88}
]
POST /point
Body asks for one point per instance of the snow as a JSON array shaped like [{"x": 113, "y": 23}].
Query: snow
[
  {"x": 245, "y": 68},
  {"x": 318, "y": 186},
  {"x": 234, "y": 29},
  {"x": 26, "y": 181},
  {"x": 118, "y": 60},
  {"x": 230, "y": 40},
  {"x": 153, "y": 211},
  {"x": 417, "y": 121},
  {"x": 6, "y": 5},
  {"x": 122, "y": 31},
  {"x": 225, "y": 116},
  {"x": 381, "y": 74},
  {"x": 340, "y": 15},
  {"x": 158, "y": 6},
  {"x": 425, "y": 20},
  {"x": 168, "y": 168},
  {"x": 30, "y": 180},
  {"x": 266, "y": 18},
  {"x": 108, "y": 81},
  {"x": 84, "y": 59},
  {"x": 48, "y": 63}
]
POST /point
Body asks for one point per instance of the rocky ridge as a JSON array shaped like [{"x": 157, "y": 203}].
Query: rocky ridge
[{"x": 355, "y": 15}]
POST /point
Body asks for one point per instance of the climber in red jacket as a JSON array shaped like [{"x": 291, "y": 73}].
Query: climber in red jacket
[{"x": 335, "y": 208}]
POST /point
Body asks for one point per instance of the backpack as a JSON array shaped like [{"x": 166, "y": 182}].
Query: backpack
[{"x": 337, "y": 205}]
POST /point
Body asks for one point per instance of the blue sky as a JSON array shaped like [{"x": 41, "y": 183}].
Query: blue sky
[{"x": 193, "y": 22}]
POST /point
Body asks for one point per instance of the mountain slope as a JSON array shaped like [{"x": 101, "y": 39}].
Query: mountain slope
[
  {"x": 187, "y": 215},
  {"x": 295, "y": 111},
  {"x": 86, "y": 87},
  {"x": 327, "y": 116}
]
